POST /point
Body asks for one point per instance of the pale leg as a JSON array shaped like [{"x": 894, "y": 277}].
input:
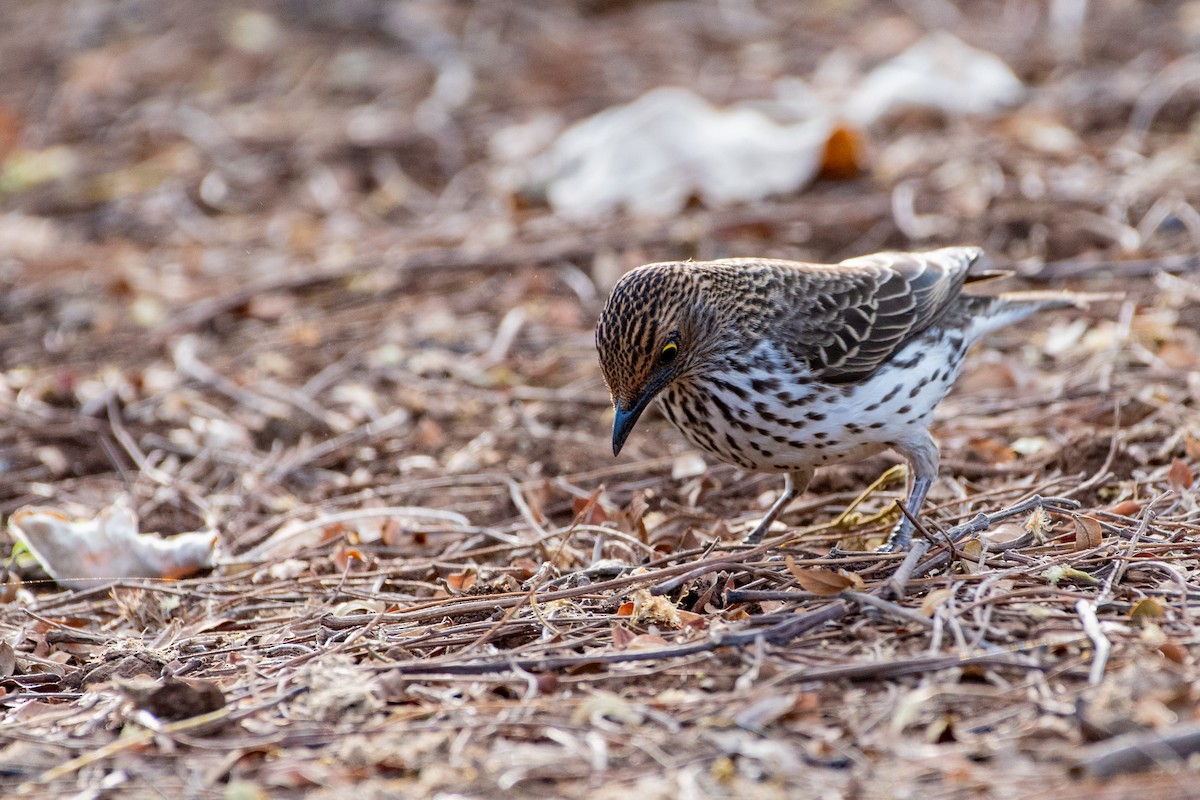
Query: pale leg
[
  {"x": 922, "y": 457},
  {"x": 794, "y": 485}
]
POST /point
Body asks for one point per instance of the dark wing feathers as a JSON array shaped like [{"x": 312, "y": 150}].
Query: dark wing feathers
[{"x": 848, "y": 319}]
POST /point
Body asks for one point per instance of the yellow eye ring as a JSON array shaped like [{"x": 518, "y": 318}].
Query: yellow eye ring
[{"x": 669, "y": 351}]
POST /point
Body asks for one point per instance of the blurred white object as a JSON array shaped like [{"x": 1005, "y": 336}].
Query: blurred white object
[
  {"x": 79, "y": 553},
  {"x": 654, "y": 154},
  {"x": 939, "y": 72}
]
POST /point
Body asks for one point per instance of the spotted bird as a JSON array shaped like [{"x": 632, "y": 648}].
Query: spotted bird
[{"x": 780, "y": 366}]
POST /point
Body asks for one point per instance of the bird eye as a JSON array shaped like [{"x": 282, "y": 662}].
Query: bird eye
[{"x": 669, "y": 351}]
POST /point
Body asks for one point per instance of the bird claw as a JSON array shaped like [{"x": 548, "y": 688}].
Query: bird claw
[
  {"x": 898, "y": 542},
  {"x": 756, "y": 535}
]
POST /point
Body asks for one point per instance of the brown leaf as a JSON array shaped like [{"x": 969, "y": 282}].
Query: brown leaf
[
  {"x": 1087, "y": 532},
  {"x": 634, "y": 514},
  {"x": 646, "y": 641},
  {"x": 343, "y": 556},
  {"x": 622, "y": 636},
  {"x": 588, "y": 509},
  {"x": 1126, "y": 508},
  {"x": 1147, "y": 610},
  {"x": 991, "y": 451},
  {"x": 8, "y": 660},
  {"x": 1173, "y": 652},
  {"x": 844, "y": 154},
  {"x": 935, "y": 600},
  {"x": 626, "y": 609},
  {"x": 1180, "y": 475},
  {"x": 461, "y": 581},
  {"x": 972, "y": 553},
  {"x": 526, "y": 568},
  {"x": 825, "y": 582}
]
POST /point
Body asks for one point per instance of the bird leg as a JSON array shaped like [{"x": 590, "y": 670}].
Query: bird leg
[
  {"x": 902, "y": 534},
  {"x": 795, "y": 482},
  {"x": 922, "y": 457}
]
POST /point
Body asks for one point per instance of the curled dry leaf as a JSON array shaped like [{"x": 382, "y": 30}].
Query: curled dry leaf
[
  {"x": 172, "y": 698},
  {"x": 79, "y": 552},
  {"x": 1088, "y": 533},
  {"x": 688, "y": 465},
  {"x": 971, "y": 559},
  {"x": 1059, "y": 574},
  {"x": 606, "y": 706},
  {"x": 588, "y": 510},
  {"x": 461, "y": 581},
  {"x": 1147, "y": 609},
  {"x": 8, "y": 660},
  {"x": 1180, "y": 475},
  {"x": 825, "y": 582},
  {"x": 1005, "y": 533},
  {"x": 935, "y": 600},
  {"x": 1173, "y": 651},
  {"x": 1126, "y": 508}
]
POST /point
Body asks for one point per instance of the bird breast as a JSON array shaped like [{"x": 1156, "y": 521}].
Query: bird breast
[{"x": 770, "y": 414}]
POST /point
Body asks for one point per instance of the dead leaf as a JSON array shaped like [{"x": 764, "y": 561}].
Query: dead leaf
[
  {"x": 461, "y": 581},
  {"x": 1126, "y": 508},
  {"x": 825, "y": 582},
  {"x": 1005, "y": 533},
  {"x": 645, "y": 641},
  {"x": 525, "y": 568},
  {"x": 1059, "y": 574},
  {"x": 1147, "y": 610},
  {"x": 8, "y": 660},
  {"x": 688, "y": 465},
  {"x": 1180, "y": 475},
  {"x": 606, "y": 705},
  {"x": 1088, "y": 532},
  {"x": 931, "y": 602},
  {"x": 343, "y": 556},
  {"x": 765, "y": 709},
  {"x": 626, "y": 609},
  {"x": 972, "y": 553},
  {"x": 991, "y": 451},
  {"x": 588, "y": 511},
  {"x": 79, "y": 552},
  {"x": 1173, "y": 651},
  {"x": 622, "y": 636},
  {"x": 172, "y": 698},
  {"x": 844, "y": 154}
]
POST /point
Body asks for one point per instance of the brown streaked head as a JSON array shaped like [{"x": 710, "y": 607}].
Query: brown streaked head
[{"x": 651, "y": 332}]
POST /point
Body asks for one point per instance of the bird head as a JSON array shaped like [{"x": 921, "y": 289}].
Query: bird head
[{"x": 650, "y": 334}]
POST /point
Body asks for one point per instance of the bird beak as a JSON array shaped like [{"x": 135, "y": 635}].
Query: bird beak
[{"x": 624, "y": 420}]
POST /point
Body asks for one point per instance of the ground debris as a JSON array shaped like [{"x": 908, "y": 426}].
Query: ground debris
[{"x": 267, "y": 279}]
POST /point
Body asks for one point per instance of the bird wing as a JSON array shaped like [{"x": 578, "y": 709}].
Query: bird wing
[{"x": 847, "y": 319}]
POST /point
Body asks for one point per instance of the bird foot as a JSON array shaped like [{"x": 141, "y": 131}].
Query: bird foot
[
  {"x": 756, "y": 535},
  {"x": 898, "y": 542}
]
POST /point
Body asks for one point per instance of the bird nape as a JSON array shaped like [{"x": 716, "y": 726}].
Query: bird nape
[{"x": 780, "y": 366}]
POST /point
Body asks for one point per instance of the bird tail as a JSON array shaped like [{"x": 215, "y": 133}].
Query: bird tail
[{"x": 1001, "y": 310}]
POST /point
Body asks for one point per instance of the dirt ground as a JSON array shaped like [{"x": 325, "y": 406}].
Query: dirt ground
[{"x": 267, "y": 276}]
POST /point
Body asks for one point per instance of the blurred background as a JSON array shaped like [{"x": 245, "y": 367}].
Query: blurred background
[
  {"x": 320, "y": 278},
  {"x": 240, "y": 231}
]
